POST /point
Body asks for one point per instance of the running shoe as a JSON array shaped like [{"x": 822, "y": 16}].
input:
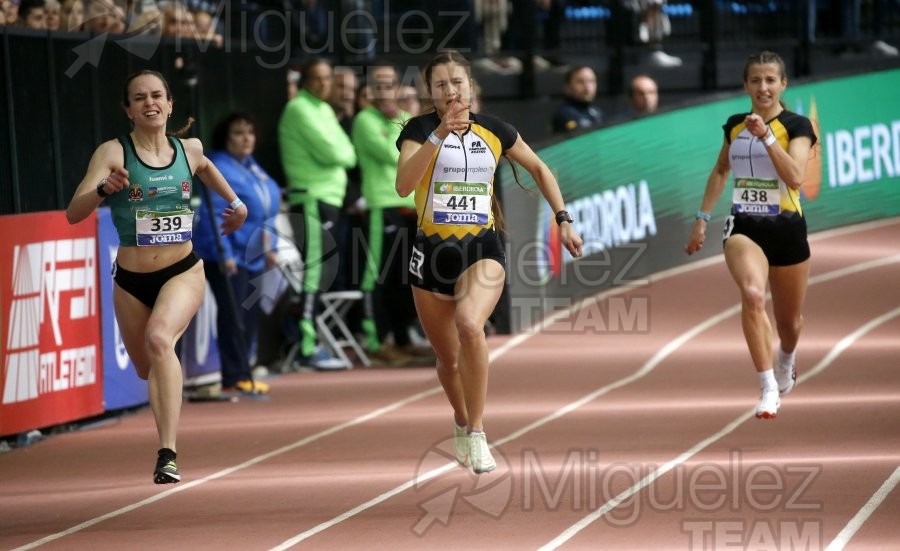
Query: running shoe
[
  {"x": 786, "y": 377},
  {"x": 166, "y": 471},
  {"x": 461, "y": 445},
  {"x": 250, "y": 387},
  {"x": 480, "y": 454},
  {"x": 768, "y": 404}
]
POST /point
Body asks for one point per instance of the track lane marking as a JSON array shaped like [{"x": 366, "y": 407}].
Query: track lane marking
[
  {"x": 844, "y": 536},
  {"x": 823, "y": 364}
]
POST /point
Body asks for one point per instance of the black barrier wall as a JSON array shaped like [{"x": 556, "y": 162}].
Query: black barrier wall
[{"x": 61, "y": 96}]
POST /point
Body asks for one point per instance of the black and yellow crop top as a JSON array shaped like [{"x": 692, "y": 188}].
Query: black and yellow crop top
[
  {"x": 453, "y": 198},
  {"x": 757, "y": 188}
]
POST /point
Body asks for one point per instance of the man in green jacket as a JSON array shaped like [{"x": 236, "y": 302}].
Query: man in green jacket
[
  {"x": 316, "y": 154},
  {"x": 389, "y": 308}
]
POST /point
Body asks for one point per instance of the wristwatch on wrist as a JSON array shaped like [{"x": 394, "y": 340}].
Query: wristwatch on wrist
[
  {"x": 100, "y": 189},
  {"x": 563, "y": 216}
]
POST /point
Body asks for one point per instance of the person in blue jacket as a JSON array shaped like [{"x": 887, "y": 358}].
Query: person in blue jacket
[{"x": 240, "y": 258}]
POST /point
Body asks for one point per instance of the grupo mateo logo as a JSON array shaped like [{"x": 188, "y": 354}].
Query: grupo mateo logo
[
  {"x": 140, "y": 37},
  {"x": 447, "y": 485}
]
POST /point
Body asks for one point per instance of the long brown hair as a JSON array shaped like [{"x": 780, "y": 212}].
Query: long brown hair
[{"x": 126, "y": 102}]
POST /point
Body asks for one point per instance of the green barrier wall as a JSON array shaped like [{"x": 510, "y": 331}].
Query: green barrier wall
[{"x": 634, "y": 188}]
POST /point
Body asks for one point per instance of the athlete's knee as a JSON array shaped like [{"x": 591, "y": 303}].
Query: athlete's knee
[
  {"x": 790, "y": 326},
  {"x": 447, "y": 365},
  {"x": 469, "y": 328},
  {"x": 157, "y": 342},
  {"x": 753, "y": 297}
]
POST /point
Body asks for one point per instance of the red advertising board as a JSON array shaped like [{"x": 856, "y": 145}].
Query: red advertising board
[{"x": 50, "y": 354}]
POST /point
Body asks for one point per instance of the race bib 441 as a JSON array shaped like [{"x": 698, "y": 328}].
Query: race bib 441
[{"x": 461, "y": 203}]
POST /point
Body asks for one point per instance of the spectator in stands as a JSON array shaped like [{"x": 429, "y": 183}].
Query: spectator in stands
[
  {"x": 2, "y": 17},
  {"x": 343, "y": 95},
  {"x": 158, "y": 278},
  {"x": 239, "y": 259},
  {"x": 643, "y": 98},
  {"x": 53, "y": 16},
  {"x": 148, "y": 22},
  {"x": 205, "y": 28},
  {"x": 178, "y": 21},
  {"x": 32, "y": 15},
  {"x": 408, "y": 100},
  {"x": 493, "y": 17},
  {"x": 10, "y": 11},
  {"x": 577, "y": 110},
  {"x": 71, "y": 15},
  {"x": 850, "y": 16},
  {"x": 458, "y": 265},
  {"x": 653, "y": 28},
  {"x": 316, "y": 154},
  {"x": 389, "y": 308},
  {"x": 99, "y": 16}
]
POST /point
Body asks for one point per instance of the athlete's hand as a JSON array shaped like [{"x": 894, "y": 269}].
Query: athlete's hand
[
  {"x": 756, "y": 125},
  {"x": 234, "y": 218},
  {"x": 455, "y": 119},
  {"x": 571, "y": 240},
  {"x": 698, "y": 236},
  {"x": 116, "y": 182}
]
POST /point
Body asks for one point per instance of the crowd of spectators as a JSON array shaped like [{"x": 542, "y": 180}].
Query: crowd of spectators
[{"x": 166, "y": 18}]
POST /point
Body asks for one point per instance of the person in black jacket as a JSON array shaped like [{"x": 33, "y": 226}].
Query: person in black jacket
[{"x": 577, "y": 110}]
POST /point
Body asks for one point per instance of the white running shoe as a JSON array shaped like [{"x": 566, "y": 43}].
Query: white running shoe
[
  {"x": 480, "y": 454},
  {"x": 768, "y": 404},
  {"x": 786, "y": 377},
  {"x": 461, "y": 445}
]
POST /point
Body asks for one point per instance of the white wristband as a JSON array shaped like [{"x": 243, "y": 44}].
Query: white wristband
[
  {"x": 433, "y": 138},
  {"x": 770, "y": 137},
  {"x": 236, "y": 203}
]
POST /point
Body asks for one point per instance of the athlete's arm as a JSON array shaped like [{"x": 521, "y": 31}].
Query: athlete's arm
[
  {"x": 211, "y": 177},
  {"x": 412, "y": 164},
  {"x": 715, "y": 184},
  {"x": 790, "y": 165},
  {"x": 522, "y": 153},
  {"x": 106, "y": 162}
]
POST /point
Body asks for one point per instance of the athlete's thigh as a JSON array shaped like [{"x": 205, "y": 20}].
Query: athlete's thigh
[
  {"x": 479, "y": 287},
  {"x": 178, "y": 301},
  {"x": 132, "y": 316},
  {"x": 788, "y": 285},
  {"x": 437, "y": 313},
  {"x": 746, "y": 261}
]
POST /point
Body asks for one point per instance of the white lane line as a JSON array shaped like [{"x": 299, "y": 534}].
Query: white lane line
[
  {"x": 863, "y": 515},
  {"x": 587, "y": 520},
  {"x": 648, "y": 367}
]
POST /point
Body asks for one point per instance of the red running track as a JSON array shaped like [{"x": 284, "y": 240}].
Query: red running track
[{"x": 606, "y": 439}]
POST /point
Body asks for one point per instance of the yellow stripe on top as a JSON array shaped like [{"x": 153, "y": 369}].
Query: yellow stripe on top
[{"x": 790, "y": 198}]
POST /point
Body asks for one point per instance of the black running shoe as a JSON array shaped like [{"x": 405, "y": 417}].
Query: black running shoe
[{"x": 166, "y": 471}]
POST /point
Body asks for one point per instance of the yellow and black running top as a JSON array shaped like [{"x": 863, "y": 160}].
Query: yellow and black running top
[
  {"x": 757, "y": 188},
  {"x": 453, "y": 198}
]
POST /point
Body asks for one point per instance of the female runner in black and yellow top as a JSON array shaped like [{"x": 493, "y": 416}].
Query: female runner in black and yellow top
[
  {"x": 458, "y": 266},
  {"x": 765, "y": 236},
  {"x": 147, "y": 177}
]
